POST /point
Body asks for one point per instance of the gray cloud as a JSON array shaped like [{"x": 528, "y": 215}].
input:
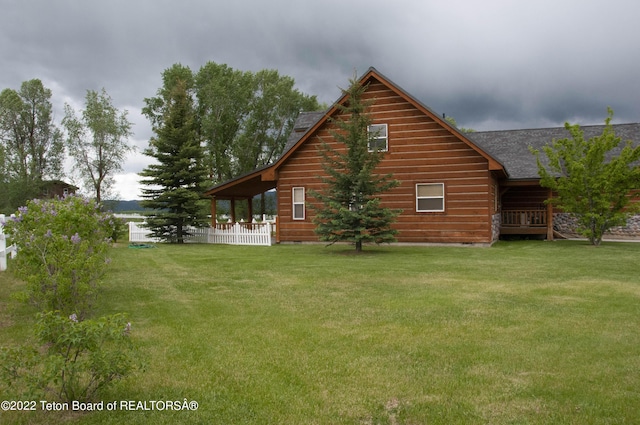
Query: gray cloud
[{"x": 492, "y": 65}]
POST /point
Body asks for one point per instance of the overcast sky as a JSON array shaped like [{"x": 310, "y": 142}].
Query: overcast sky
[{"x": 490, "y": 64}]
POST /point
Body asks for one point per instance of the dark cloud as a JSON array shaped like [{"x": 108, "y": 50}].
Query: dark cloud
[{"x": 496, "y": 64}]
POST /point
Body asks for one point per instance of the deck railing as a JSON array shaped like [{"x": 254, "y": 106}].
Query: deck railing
[{"x": 524, "y": 218}]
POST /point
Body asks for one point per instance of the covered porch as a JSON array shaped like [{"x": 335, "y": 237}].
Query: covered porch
[
  {"x": 241, "y": 189},
  {"x": 523, "y": 209}
]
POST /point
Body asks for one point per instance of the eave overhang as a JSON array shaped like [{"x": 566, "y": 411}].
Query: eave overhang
[{"x": 245, "y": 186}]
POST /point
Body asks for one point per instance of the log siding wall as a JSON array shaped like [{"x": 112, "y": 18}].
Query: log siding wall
[{"x": 420, "y": 151}]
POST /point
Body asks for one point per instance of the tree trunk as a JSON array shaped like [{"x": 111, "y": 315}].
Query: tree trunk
[{"x": 179, "y": 237}]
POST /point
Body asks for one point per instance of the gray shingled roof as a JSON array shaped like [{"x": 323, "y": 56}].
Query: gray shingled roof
[
  {"x": 511, "y": 147},
  {"x": 304, "y": 122}
]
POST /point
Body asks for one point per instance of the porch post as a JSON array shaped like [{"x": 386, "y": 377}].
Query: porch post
[
  {"x": 250, "y": 202},
  {"x": 233, "y": 210},
  {"x": 550, "y": 218},
  {"x": 213, "y": 211}
]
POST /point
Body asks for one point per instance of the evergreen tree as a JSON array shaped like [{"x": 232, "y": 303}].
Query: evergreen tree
[
  {"x": 178, "y": 179},
  {"x": 350, "y": 210}
]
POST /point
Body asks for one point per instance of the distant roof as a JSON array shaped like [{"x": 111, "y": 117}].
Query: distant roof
[
  {"x": 511, "y": 147},
  {"x": 304, "y": 122},
  {"x": 63, "y": 184}
]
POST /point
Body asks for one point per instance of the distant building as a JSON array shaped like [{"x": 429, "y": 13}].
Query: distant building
[{"x": 56, "y": 189}]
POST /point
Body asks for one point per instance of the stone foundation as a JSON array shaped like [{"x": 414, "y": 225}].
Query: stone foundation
[
  {"x": 495, "y": 226},
  {"x": 566, "y": 224}
]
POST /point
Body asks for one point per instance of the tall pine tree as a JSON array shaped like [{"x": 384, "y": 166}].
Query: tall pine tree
[
  {"x": 350, "y": 209},
  {"x": 177, "y": 180}
]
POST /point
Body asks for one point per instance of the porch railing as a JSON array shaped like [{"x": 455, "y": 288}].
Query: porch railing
[
  {"x": 524, "y": 218},
  {"x": 240, "y": 233}
]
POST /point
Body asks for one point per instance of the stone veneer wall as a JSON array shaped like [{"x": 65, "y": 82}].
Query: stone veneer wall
[
  {"x": 496, "y": 220},
  {"x": 566, "y": 224}
]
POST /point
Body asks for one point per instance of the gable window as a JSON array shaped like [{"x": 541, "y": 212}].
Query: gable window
[
  {"x": 298, "y": 203},
  {"x": 430, "y": 197},
  {"x": 378, "y": 140}
]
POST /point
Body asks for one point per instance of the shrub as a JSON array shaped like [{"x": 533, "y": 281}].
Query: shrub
[
  {"x": 62, "y": 245},
  {"x": 72, "y": 360},
  {"x": 119, "y": 228}
]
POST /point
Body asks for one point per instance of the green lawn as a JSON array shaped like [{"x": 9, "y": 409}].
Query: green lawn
[{"x": 521, "y": 333}]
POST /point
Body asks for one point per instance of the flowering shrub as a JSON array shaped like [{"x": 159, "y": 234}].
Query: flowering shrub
[
  {"x": 62, "y": 245},
  {"x": 76, "y": 358}
]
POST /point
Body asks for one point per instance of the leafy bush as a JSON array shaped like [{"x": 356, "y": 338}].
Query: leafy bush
[
  {"x": 72, "y": 359},
  {"x": 62, "y": 256},
  {"x": 119, "y": 227}
]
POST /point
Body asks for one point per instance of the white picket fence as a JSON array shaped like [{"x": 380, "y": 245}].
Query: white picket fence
[
  {"x": 4, "y": 249},
  {"x": 138, "y": 233},
  {"x": 222, "y": 233}
]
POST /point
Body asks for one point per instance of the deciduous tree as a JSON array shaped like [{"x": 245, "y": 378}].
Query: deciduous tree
[
  {"x": 97, "y": 140},
  {"x": 273, "y": 109},
  {"x": 454, "y": 123},
  {"x": 245, "y": 118},
  {"x": 31, "y": 144},
  {"x": 593, "y": 178},
  {"x": 223, "y": 96}
]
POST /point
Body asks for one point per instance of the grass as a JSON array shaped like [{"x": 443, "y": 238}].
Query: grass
[{"x": 521, "y": 333}]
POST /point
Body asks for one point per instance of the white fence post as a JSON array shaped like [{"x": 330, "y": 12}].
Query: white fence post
[
  {"x": 237, "y": 234},
  {"x": 4, "y": 250},
  {"x": 3, "y": 245}
]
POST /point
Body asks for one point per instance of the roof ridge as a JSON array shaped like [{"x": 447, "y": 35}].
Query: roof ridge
[{"x": 551, "y": 128}]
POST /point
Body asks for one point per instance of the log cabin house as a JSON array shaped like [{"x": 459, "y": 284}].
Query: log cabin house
[{"x": 466, "y": 188}]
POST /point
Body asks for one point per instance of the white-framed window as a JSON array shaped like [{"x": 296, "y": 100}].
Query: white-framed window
[
  {"x": 430, "y": 197},
  {"x": 297, "y": 194},
  {"x": 378, "y": 138}
]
